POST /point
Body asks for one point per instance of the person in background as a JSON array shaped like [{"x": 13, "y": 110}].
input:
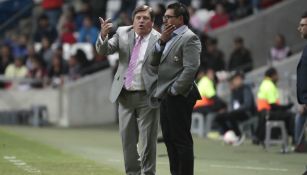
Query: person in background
[
  {"x": 268, "y": 104},
  {"x": 57, "y": 71},
  {"x": 16, "y": 69},
  {"x": 242, "y": 106},
  {"x": 6, "y": 57},
  {"x": 209, "y": 102},
  {"x": 280, "y": 51},
  {"x": 88, "y": 32},
  {"x": 219, "y": 19},
  {"x": 213, "y": 57},
  {"x": 240, "y": 58},
  {"x": 44, "y": 29}
]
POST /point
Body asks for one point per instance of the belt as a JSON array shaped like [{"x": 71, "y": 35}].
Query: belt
[{"x": 134, "y": 91}]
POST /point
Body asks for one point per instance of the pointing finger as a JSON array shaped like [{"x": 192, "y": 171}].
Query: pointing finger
[{"x": 101, "y": 20}]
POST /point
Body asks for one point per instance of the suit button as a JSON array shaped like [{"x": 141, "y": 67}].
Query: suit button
[{"x": 118, "y": 78}]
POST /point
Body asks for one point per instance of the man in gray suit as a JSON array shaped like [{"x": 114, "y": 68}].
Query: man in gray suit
[
  {"x": 179, "y": 49},
  {"x": 132, "y": 85}
]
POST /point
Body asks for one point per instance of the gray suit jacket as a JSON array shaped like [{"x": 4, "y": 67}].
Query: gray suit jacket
[
  {"x": 178, "y": 65},
  {"x": 122, "y": 42}
]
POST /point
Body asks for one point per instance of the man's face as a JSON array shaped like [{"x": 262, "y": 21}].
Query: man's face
[
  {"x": 171, "y": 19},
  {"x": 302, "y": 28},
  {"x": 142, "y": 23},
  {"x": 236, "y": 82}
]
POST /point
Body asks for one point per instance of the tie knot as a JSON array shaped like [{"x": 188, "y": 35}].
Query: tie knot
[{"x": 139, "y": 39}]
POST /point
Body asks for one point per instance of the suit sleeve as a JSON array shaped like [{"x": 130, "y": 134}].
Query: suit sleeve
[
  {"x": 107, "y": 46},
  {"x": 303, "y": 73},
  {"x": 191, "y": 62}
]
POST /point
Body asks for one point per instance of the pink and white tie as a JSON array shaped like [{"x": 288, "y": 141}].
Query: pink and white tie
[{"x": 133, "y": 63}]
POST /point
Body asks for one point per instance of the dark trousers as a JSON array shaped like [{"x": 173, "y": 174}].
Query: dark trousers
[
  {"x": 281, "y": 115},
  {"x": 176, "y": 124},
  {"x": 230, "y": 120}
]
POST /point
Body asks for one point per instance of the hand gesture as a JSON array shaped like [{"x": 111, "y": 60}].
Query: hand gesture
[
  {"x": 106, "y": 26},
  {"x": 167, "y": 33}
]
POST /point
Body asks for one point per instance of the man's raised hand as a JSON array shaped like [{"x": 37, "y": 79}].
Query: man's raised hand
[{"x": 106, "y": 26}]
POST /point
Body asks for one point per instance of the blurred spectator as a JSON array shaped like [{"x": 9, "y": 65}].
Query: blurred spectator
[
  {"x": 242, "y": 106},
  {"x": 243, "y": 9},
  {"x": 240, "y": 58},
  {"x": 20, "y": 47},
  {"x": 46, "y": 51},
  {"x": 85, "y": 10},
  {"x": 88, "y": 32},
  {"x": 44, "y": 29},
  {"x": 280, "y": 50},
  {"x": 81, "y": 58},
  {"x": 213, "y": 57},
  {"x": 267, "y": 3},
  {"x": 219, "y": 19},
  {"x": 6, "y": 57},
  {"x": 99, "y": 62},
  {"x": 57, "y": 71},
  {"x": 186, "y": 2},
  {"x": 67, "y": 35},
  {"x": 52, "y": 8},
  {"x": 74, "y": 68},
  {"x": 123, "y": 20},
  {"x": 195, "y": 22},
  {"x": 31, "y": 53},
  {"x": 208, "y": 4},
  {"x": 126, "y": 6},
  {"x": 159, "y": 10},
  {"x": 16, "y": 69},
  {"x": 210, "y": 102},
  {"x": 38, "y": 72},
  {"x": 67, "y": 17},
  {"x": 268, "y": 102},
  {"x": 99, "y": 9}
]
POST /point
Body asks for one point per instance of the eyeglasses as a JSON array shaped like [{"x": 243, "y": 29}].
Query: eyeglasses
[{"x": 166, "y": 17}]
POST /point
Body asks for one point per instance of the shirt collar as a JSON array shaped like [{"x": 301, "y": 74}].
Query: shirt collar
[
  {"x": 181, "y": 30},
  {"x": 145, "y": 38}
]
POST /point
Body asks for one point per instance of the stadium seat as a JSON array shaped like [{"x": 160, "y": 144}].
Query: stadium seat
[
  {"x": 283, "y": 140},
  {"x": 201, "y": 125}
]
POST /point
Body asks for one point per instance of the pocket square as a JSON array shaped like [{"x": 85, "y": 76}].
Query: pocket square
[{"x": 176, "y": 59}]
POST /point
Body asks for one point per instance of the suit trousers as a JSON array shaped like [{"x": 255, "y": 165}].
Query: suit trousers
[
  {"x": 176, "y": 124},
  {"x": 138, "y": 125}
]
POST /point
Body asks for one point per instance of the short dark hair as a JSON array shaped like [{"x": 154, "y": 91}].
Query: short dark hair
[
  {"x": 239, "y": 39},
  {"x": 180, "y": 10},
  {"x": 144, "y": 8},
  {"x": 270, "y": 72},
  {"x": 235, "y": 74},
  {"x": 304, "y": 15},
  {"x": 212, "y": 41}
]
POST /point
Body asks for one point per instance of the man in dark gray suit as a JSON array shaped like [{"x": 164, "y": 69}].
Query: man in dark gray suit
[
  {"x": 132, "y": 85},
  {"x": 302, "y": 66},
  {"x": 302, "y": 87},
  {"x": 179, "y": 50}
]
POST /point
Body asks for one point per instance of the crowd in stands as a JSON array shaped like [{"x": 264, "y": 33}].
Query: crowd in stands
[{"x": 40, "y": 54}]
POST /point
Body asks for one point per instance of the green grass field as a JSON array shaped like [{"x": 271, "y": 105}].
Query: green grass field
[{"x": 97, "y": 151}]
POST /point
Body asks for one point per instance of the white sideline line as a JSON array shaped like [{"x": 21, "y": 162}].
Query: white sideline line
[
  {"x": 248, "y": 168},
  {"x": 21, "y": 164}
]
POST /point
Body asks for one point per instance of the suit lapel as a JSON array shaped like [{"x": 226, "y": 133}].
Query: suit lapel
[
  {"x": 164, "y": 55},
  {"x": 151, "y": 42}
]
